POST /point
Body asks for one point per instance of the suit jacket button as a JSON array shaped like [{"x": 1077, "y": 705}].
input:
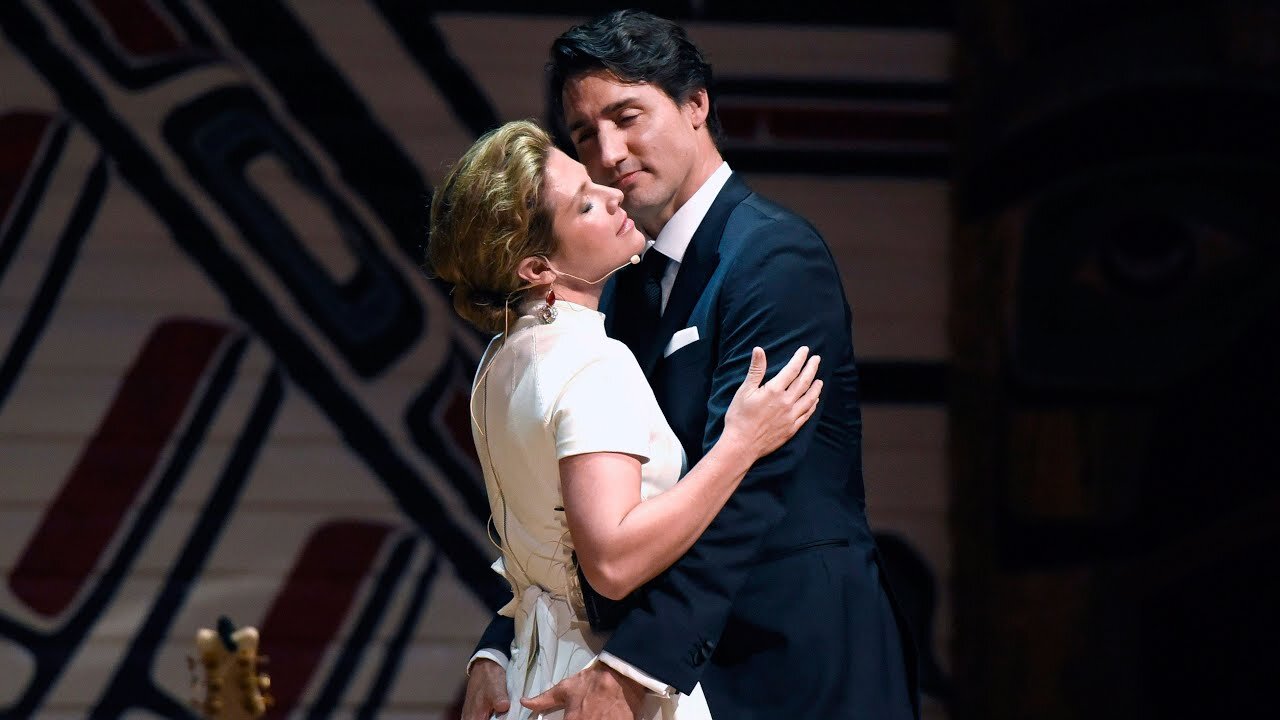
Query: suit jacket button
[{"x": 701, "y": 652}]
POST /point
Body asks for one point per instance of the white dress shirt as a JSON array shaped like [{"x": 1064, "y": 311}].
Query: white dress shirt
[{"x": 673, "y": 239}]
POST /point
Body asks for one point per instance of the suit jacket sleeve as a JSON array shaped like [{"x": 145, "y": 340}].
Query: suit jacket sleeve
[
  {"x": 781, "y": 291},
  {"x": 498, "y": 636}
]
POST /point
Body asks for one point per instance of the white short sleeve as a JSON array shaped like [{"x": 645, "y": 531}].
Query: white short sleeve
[{"x": 605, "y": 407}]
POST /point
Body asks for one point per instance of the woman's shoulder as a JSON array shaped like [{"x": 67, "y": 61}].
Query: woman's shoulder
[
  {"x": 556, "y": 359},
  {"x": 617, "y": 351},
  {"x": 602, "y": 370},
  {"x": 600, "y": 355}
]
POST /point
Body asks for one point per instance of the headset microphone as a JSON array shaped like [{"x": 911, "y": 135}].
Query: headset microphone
[{"x": 635, "y": 260}]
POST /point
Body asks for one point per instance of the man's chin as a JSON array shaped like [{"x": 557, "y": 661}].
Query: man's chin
[{"x": 639, "y": 210}]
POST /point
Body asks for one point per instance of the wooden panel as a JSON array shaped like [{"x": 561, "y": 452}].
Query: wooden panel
[
  {"x": 870, "y": 215},
  {"x": 929, "y": 535},
  {"x": 411, "y": 108},
  {"x": 889, "y": 238},
  {"x": 509, "y": 53},
  {"x": 429, "y": 675},
  {"x": 904, "y": 459}
]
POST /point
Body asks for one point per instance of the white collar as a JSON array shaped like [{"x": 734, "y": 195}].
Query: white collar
[
  {"x": 674, "y": 237},
  {"x": 568, "y": 315}
]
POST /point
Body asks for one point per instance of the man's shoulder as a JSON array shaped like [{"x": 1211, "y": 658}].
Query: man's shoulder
[
  {"x": 758, "y": 217},
  {"x": 767, "y": 209}
]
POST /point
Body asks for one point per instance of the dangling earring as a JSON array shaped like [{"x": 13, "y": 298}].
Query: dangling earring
[{"x": 547, "y": 313}]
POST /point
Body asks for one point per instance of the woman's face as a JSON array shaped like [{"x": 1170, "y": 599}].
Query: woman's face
[{"x": 593, "y": 233}]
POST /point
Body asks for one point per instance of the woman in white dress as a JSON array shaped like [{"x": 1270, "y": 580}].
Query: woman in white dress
[{"x": 579, "y": 463}]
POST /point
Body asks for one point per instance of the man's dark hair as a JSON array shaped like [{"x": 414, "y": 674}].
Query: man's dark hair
[{"x": 635, "y": 47}]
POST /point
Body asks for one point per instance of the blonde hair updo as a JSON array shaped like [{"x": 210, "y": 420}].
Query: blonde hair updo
[{"x": 486, "y": 217}]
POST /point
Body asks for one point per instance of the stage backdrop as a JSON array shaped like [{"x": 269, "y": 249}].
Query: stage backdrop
[{"x": 227, "y": 387}]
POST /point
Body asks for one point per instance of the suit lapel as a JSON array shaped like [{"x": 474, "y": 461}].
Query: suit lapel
[
  {"x": 620, "y": 302},
  {"x": 609, "y": 302},
  {"x": 699, "y": 262}
]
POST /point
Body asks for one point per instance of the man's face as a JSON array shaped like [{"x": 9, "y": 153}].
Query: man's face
[{"x": 635, "y": 138}]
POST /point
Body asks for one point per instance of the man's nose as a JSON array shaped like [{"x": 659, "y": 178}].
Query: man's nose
[{"x": 613, "y": 149}]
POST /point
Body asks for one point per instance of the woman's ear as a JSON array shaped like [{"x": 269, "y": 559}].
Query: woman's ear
[{"x": 535, "y": 270}]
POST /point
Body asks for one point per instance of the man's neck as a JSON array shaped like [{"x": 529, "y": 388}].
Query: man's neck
[{"x": 653, "y": 224}]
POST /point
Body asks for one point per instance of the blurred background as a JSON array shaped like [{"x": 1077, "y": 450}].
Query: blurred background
[{"x": 227, "y": 387}]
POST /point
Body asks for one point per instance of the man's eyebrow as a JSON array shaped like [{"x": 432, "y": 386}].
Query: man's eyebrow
[{"x": 609, "y": 109}]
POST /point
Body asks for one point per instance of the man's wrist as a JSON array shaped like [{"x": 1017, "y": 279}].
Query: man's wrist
[
  {"x": 645, "y": 681},
  {"x": 491, "y": 655},
  {"x": 632, "y": 690}
]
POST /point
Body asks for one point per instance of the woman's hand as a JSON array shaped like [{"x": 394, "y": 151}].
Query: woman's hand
[
  {"x": 763, "y": 417},
  {"x": 623, "y": 542}
]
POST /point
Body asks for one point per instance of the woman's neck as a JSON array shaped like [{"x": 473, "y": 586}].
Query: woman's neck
[{"x": 588, "y": 296}]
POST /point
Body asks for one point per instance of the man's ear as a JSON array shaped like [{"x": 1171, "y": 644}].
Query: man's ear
[
  {"x": 535, "y": 270},
  {"x": 698, "y": 106}
]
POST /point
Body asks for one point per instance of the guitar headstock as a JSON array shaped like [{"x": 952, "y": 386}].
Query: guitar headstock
[{"x": 226, "y": 666}]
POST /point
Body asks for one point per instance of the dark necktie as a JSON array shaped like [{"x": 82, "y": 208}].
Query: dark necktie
[
  {"x": 652, "y": 267},
  {"x": 638, "y": 304}
]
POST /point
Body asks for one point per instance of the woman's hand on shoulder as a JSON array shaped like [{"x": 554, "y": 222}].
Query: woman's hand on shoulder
[{"x": 762, "y": 418}]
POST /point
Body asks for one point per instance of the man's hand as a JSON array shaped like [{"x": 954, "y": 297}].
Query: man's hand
[
  {"x": 597, "y": 693},
  {"x": 486, "y": 691}
]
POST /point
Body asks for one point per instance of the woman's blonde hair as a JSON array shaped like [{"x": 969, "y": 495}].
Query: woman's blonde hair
[{"x": 486, "y": 217}]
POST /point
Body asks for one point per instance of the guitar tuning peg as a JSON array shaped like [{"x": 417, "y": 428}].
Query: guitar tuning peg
[{"x": 264, "y": 682}]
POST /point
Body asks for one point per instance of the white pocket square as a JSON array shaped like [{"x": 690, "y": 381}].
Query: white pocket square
[{"x": 680, "y": 339}]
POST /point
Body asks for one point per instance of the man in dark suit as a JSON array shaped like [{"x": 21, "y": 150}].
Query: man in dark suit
[{"x": 780, "y": 610}]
